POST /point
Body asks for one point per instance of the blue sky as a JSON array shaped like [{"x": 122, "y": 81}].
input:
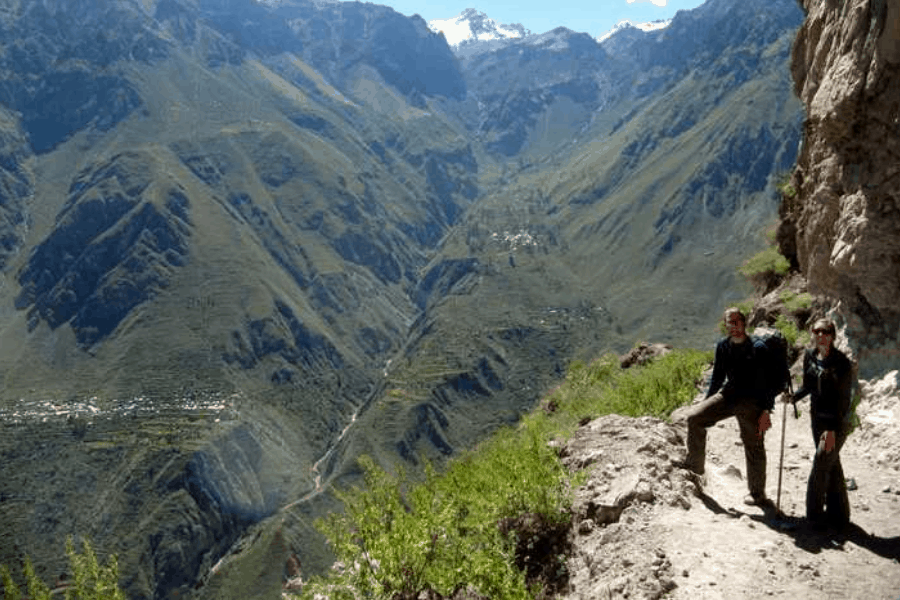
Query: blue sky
[{"x": 589, "y": 16}]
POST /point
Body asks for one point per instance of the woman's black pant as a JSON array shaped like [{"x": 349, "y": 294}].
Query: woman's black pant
[{"x": 826, "y": 491}]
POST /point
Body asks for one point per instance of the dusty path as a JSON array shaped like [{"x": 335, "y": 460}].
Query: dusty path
[
  {"x": 683, "y": 539},
  {"x": 724, "y": 549}
]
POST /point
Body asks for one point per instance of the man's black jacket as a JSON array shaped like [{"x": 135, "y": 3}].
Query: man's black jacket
[{"x": 740, "y": 371}]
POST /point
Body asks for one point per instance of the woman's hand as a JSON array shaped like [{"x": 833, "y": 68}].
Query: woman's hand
[
  {"x": 829, "y": 439},
  {"x": 765, "y": 422}
]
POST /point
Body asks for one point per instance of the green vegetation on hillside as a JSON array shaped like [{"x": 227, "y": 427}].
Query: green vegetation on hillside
[
  {"x": 785, "y": 185},
  {"x": 791, "y": 332},
  {"x": 794, "y": 302},
  {"x": 463, "y": 528},
  {"x": 89, "y": 579},
  {"x": 766, "y": 269}
]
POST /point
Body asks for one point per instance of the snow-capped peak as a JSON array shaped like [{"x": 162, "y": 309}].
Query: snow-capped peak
[
  {"x": 471, "y": 25},
  {"x": 651, "y": 26}
]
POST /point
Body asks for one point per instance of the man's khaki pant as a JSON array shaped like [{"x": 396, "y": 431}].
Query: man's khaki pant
[{"x": 716, "y": 408}]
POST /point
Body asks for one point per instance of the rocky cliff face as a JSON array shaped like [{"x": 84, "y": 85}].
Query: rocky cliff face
[{"x": 842, "y": 226}]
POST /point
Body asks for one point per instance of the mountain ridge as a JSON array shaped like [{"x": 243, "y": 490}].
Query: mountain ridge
[
  {"x": 472, "y": 26},
  {"x": 364, "y": 257}
]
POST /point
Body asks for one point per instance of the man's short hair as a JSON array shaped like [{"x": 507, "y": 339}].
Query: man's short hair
[{"x": 734, "y": 310}]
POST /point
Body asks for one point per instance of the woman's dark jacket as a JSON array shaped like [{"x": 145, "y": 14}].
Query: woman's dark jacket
[{"x": 828, "y": 381}]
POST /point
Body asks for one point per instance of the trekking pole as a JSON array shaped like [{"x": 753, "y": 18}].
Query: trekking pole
[
  {"x": 794, "y": 404},
  {"x": 781, "y": 458}
]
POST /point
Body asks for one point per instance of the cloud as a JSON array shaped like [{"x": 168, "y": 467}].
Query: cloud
[{"x": 656, "y": 2}]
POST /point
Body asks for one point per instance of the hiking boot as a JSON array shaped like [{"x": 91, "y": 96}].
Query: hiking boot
[
  {"x": 699, "y": 479},
  {"x": 759, "y": 500},
  {"x": 683, "y": 464}
]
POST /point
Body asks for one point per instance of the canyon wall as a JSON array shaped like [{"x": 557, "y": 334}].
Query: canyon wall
[{"x": 841, "y": 214}]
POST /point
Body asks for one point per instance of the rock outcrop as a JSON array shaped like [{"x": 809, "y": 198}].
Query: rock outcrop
[
  {"x": 841, "y": 219},
  {"x": 630, "y": 475}
]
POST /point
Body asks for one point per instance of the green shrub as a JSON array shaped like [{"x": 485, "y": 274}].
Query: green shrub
[
  {"x": 397, "y": 537},
  {"x": 788, "y": 328},
  {"x": 793, "y": 335},
  {"x": 745, "y": 306},
  {"x": 766, "y": 268},
  {"x": 854, "y": 421},
  {"x": 785, "y": 187},
  {"x": 90, "y": 580},
  {"x": 768, "y": 260},
  {"x": 794, "y": 302}
]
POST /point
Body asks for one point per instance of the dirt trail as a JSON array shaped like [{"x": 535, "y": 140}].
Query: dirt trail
[
  {"x": 680, "y": 538},
  {"x": 725, "y": 549}
]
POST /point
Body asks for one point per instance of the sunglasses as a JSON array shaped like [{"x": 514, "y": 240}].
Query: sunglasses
[{"x": 821, "y": 332}]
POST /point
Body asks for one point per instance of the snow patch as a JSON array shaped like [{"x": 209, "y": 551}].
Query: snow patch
[
  {"x": 626, "y": 24},
  {"x": 473, "y": 26}
]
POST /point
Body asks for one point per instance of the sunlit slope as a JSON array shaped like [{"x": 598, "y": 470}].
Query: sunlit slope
[
  {"x": 282, "y": 222},
  {"x": 259, "y": 194},
  {"x": 241, "y": 241},
  {"x": 672, "y": 200},
  {"x": 634, "y": 234},
  {"x": 698, "y": 204}
]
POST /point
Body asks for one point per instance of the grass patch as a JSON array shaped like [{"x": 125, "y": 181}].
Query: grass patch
[
  {"x": 794, "y": 302},
  {"x": 765, "y": 269},
  {"x": 89, "y": 579},
  {"x": 784, "y": 185},
  {"x": 788, "y": 327},
  {"x": 601, "y": 388},
  {"x": 473, "y": 525}
]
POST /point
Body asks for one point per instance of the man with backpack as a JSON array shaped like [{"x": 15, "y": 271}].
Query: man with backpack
[{"x": 741, "y": 386}]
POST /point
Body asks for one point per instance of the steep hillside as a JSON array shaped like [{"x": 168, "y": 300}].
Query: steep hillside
[
  {"x": 241, "y": 148},
  {"x": 632, "y": 229},
  {"x": 550, "y": 90},
  {"x": 204, "y": 227},
  {"x": 244, "y": 242},
  {"x": 16, "y": 188}
]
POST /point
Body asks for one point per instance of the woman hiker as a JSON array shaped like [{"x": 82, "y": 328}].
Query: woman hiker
[{"x": 827, "y": 379}]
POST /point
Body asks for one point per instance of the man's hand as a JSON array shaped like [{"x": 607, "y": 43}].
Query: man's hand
[
  {"x": 829, "y": 439},
  {"x": 765, "y": 422}
]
